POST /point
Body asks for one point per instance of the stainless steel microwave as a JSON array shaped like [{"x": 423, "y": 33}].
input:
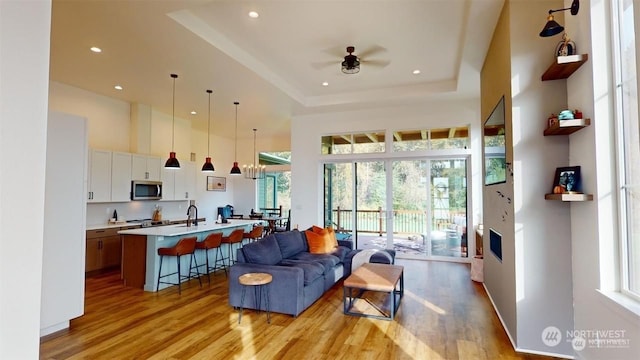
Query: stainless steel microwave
[{"x": 146, "y": 190}]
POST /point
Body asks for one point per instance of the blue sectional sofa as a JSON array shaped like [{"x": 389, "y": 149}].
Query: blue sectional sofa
[{"x": 299, "y": 277}]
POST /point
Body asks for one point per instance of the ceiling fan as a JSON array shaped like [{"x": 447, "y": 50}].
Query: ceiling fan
[{"x": 351, "y": 62}]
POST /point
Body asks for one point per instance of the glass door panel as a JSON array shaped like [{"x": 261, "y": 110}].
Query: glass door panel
[
  {"x": 410, "y": 208},
  {"x": 338, "y": 197},
  {"x": 370, "y": 200},
  {"x": 447, "y": 235}
]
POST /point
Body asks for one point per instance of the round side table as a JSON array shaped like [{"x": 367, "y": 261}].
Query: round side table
[{"x": 260, "y": 283}]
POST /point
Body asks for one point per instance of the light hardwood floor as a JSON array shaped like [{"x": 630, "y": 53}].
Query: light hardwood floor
[{"x": 443, "y": 315}]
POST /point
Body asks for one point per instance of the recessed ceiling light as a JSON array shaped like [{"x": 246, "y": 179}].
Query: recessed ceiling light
[
  {"x": 325, "y": 84},
  {"x": 416, "y": 72},
  {"x": 118, "y": 87},
  {"x": 96, "y": 49},
  {"x": 193, "y": 112},
  {"x": 253, "y": 14}
]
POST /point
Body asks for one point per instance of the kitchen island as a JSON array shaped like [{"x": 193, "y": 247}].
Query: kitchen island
[{"x": 140, "y": 260}]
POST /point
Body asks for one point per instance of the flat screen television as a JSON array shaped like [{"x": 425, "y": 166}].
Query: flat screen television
[{"x": 494, "y": 142}]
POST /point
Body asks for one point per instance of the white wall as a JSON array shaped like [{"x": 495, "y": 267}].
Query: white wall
[
  {"x": 24, "y": 77},
  {"x": 108, "y": 117},
  {"x": 593, "y": 224},
  {"x": 306, "y": 133},
  {"x": 542, "y": 229}
]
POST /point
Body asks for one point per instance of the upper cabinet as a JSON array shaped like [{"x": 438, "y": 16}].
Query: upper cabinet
[
  {"x": 99, "y": 179},
  {"x": 145, "y": 167},
  {"x": 120, "y": 176},
  {"x": 179, "y": 184}
]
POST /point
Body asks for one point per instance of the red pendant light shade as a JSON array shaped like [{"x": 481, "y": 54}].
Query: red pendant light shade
[
  {"x": 172, "y": 161},
  {"x": 208, "y": 165},
  {"x": 235, "y": 170}
]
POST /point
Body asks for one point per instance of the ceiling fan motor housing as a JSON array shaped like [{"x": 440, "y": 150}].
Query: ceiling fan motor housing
[{"x": 351, "y": 64}]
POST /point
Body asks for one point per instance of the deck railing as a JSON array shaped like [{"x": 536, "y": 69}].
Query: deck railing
[{"x": 374, "y": 221}]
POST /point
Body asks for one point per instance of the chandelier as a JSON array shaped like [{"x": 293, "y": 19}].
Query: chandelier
[{"x": 254, "y": 171}]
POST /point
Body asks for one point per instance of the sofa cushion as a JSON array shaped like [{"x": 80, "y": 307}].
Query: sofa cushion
[
  {"x": 341, "y": 252},
  {"x": 312, "y": 270},
  {"x": 290, "y": 242},
  {"x": 265, "y": 251},
  {"x": 321, "y": 242},
  {"x": 327, "y": 261}
]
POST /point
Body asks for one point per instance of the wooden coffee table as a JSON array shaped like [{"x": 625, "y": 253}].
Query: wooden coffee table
[{"x": 383, "y": 278}]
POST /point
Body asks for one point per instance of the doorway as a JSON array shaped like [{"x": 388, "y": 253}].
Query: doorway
[{"x": 416, "y": 206}]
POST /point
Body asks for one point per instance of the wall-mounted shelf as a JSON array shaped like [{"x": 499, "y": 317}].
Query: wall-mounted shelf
[
  {"x": 564, "y": 66},
  {"x": 569, "y": 197},
  {"x": 566, "y": 127}
]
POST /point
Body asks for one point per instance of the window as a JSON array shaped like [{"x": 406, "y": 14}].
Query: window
[
  {"x": 628, "y": 142},
  {"x": 363, "y": 143},
  {"x": 405, "y": 141}
]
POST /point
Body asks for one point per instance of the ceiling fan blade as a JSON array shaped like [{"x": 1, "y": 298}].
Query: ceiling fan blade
[
  {"x": 337, "y": 52},
  {"x": 324, "y": 64},
  {"x": 376, "y": 49},
  {"x": 375, "y": 63}
]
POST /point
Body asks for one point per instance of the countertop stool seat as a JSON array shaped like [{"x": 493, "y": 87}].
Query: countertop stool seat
[
  {"x": 185, "y": 246},
  {"x": 235, "y": 237},
  {"x": 254, "y": 234},
  {"x": 213, "y": 241},
  {"x": 260, "y": 283}
]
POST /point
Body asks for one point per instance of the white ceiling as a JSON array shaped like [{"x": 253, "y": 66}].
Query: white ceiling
[{"x": 273, "y": 65}]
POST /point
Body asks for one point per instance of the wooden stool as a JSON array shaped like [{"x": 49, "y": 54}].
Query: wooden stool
[
  {"x": 212, "y": 241},
  {"x": 185, "y": 246},
  {"x": 260, "y": 283}
]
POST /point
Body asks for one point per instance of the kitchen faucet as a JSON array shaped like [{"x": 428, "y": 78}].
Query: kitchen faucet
[{"x": 195, "y": 220}]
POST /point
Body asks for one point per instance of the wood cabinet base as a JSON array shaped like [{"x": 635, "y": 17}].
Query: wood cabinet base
[{"x": 134, "y": 258}]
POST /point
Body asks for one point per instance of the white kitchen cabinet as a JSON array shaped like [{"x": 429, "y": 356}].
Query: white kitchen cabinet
[
  {"x": 179, "y": 184},
  {"x": 145, "y": 167},
  {"x": 99, "y": 177},
  {"x": 120, "y": 176}
]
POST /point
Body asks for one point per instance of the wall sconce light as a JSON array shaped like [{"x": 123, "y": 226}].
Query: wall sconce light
[
  {"x": 254, "y": 171},
  {"x": 172, "y": 161},
  {"x": 208, "y": 165},
  {"x": 235, "y": 170},
  {"x": 552, "y": 27}
]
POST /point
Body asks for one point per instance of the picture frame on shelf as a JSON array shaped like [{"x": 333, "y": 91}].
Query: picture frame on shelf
[
  {"x": 216, "y": 183},
  {"x": 567, "y": 178}
]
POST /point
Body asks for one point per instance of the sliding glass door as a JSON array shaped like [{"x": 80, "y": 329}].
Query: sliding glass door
[{"x": 418, "y": 207}]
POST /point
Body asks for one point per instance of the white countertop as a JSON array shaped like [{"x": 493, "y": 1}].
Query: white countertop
[
  {"x": 128, "y": 224},
  {"x": 182, "y": 229}
]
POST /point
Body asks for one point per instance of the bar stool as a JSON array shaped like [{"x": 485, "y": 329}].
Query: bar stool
[
  {"x": 185, "y": 246},
  {"x": 212, "y": 241},
  {"x": 234, "y": 238},
  {"x": 254, "y": 234}
]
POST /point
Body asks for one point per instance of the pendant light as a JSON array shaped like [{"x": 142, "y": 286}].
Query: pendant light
[
  {"x": 208, "y": 166},
  {"x": 235, "y": 170},
  {"x": 172, "y": 161},
  {"x": 552, "y": 27},
  {"x": 254, "y": 171}
]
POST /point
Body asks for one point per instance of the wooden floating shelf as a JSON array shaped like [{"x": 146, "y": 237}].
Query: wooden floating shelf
[
  {"x": 564, "y": 66},
  {"x": 566, "y": 127},
  {"x": 569, "y": 197}
]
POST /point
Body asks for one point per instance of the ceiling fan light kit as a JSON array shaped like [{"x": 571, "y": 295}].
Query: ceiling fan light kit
[
  {"x": 351, "y": 64},
  {"x": 552, "y": 27}
]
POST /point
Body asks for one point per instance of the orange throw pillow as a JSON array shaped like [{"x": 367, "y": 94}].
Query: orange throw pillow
[{"x": 321, "y": 242}]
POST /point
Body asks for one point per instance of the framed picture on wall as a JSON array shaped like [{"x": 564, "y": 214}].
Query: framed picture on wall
[
  {"x": 216, "y": 183},
  {"x": 567, "y": 178}
]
